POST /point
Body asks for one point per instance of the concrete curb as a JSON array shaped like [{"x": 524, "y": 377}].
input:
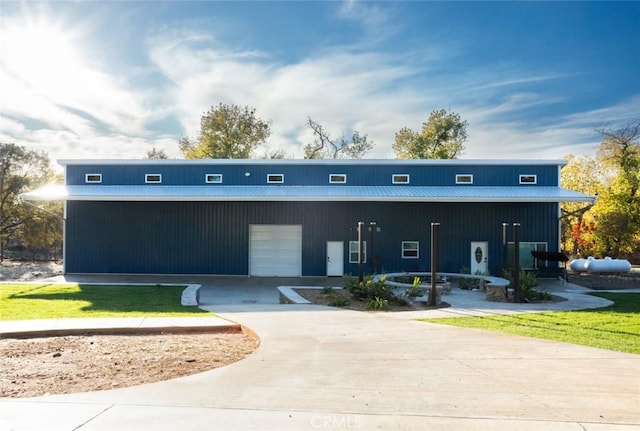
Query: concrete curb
[
  {"x": 116, "y": 325},
  {"x": 190, "y": 295},
  {"x": 289, "y": 296}
]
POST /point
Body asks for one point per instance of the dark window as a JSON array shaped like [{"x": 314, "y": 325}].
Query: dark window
[
  {"x": 338, "y": 178},
  {"x": 153, "y": 178},
  {"x": 275, "y": 178},
  {"x": 400, "y": 178},
  {"x": 213, "y": 178},
  {"x": 464, "y": 179},
  {"x": 528, "y": 179}
]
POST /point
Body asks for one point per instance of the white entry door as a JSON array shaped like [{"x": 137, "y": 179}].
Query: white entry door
[
  {"x": 335, "y": 258},
  {"x": 275, "y": 250},
  {"x": 479, "y": 257}
]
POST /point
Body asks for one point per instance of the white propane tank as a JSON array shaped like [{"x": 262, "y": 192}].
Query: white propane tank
[
  {"x": 608, "y": 265},
  {"x": 578, "y": 265}
]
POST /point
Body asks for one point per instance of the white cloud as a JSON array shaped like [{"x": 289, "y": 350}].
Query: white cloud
[
  {"x": 59, "y": 101},
  {"x": 71, "y": 106}
]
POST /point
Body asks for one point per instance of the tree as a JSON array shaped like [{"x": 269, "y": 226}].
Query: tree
[
  {"x": 227, "y": 132},
  {"x": 323, "y": 147},
  {"x": 442, "y": 137},
  {"x": 620, "y": 151},
  {"x": 41, "y": 231},
  {"x": 583, "y": 174},
  {"x": 280, "y": 153},
  {"x": 20, "y": 170},
  {"x": 618, "y": 209},
  {"x": 155, "y": 153}
]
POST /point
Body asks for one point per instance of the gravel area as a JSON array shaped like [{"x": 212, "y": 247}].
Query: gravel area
[{"x": 606, "y": 281}]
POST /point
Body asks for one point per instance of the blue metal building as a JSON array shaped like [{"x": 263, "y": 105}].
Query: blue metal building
[{"x": 300, "y": 217}]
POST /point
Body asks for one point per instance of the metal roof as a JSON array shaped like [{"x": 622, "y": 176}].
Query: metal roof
[
  {"x": 332, "y": 162},
  {"x": 401, "y": 193}
]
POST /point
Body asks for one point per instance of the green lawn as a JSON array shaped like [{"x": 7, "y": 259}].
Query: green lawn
[
  {"x": 614, "y": 328},
  {"x": 52, "y": 301}
]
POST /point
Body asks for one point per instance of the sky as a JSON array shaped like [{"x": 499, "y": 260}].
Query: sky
[{"x": 114, "y": 79}]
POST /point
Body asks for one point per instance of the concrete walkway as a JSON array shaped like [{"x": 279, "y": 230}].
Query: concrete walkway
[{"x": 326, "y": 368}]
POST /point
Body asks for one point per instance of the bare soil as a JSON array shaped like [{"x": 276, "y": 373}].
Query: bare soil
[
  {"x": 606, "y": 281},
  {"x": 58, "y": 365},
  {"x": 316, "y": 296}
]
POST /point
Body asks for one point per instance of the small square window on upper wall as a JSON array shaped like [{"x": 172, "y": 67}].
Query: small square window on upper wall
[
  {"x": 153, "y": 178},
  {"x": 528, "y": 179},
  {"x": 410, "y": 249},
  {"x": 275, "y": 178},
  {"x": 464, "y": 179},
  {"x": 337, "y": 178},
  {"x": 400, "y": 178},
  {"x": 213, "y": 178},
  {"x": 93, "y": 178}
]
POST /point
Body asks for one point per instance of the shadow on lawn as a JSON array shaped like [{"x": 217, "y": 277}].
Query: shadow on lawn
[{"x": 122, "y": 299}]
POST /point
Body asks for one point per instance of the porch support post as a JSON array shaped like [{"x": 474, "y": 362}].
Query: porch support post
[
  {"x": 360, "y": 252},
  {"x": 516, "y": 262},
  {"x": 434, "y": 261}
]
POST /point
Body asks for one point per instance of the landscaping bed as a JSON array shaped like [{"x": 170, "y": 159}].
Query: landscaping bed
[{"x": 343, "y": 299}]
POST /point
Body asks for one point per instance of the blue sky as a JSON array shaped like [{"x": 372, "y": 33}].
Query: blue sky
[{"x": 115, "y": 79}]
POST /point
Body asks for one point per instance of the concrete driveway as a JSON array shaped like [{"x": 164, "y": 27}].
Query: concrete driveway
[{"x": 326, "y": 368}]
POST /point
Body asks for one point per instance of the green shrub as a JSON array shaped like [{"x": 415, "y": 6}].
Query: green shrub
[
  {"x": 327, "y": 290},
  {"x": 377, "y": 303},
  {"x": 528, "y": 282},
  {"x": 469, "y": 283},
  {"x": 415, "y": 290},
  {"x": 370, "y": 289},
  {"x": 338, "y": 301},
  {"x": 350, "y": 283}
]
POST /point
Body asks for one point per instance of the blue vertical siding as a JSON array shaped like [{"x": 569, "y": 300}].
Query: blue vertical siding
[
  {"x": 312, "y": 174},
  {"x": 213, "y": 237}
]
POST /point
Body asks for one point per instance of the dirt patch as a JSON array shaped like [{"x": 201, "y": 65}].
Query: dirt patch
[
  {"x": 606, "y": 281},
  {"x": 60, "y": 365},
  {"x": 79, "y": 363},
  {"x": 14, "y": 270},
  {"x": 343, "y": 297}
]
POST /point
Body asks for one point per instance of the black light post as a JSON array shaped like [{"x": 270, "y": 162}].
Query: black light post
[
  {"x": 434, "y": 261},
  {"x": 360, "y": 253},
  {"x": 505, "y": 247},
  {"x": 372, "y": 259},
  {"x": 516, "y": 262}
]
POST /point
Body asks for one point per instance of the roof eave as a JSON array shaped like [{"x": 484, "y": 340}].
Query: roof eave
[{"x": 147, "y": 198}]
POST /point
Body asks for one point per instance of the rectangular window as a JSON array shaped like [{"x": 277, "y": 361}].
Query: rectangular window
[
  {"x": 93, "y": 178},
  {"x": 152, "y": 178},
  {"x": 213, "y": 178},
  {"x": 410, "y": 249},
  {"x": 528, "y": 179},
  {"x": 275, "y": 178},
  {"x": 354, "y": 250},
  {"x": 527, "y": 261},
  {"x": 400, "y": 178},
  {"x": 338, "y": 178},
  {"x": 464, "y": 179}
]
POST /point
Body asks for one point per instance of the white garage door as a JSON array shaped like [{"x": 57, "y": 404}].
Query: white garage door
[{"x": 275, "y": 250}]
